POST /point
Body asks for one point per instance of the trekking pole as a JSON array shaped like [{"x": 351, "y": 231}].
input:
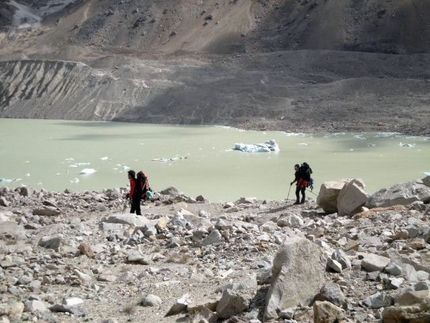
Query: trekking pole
[
  {"x": 313, "y": 193},
  {"x": 126, "y": 204},
  {"x": 288, "y": 195}
]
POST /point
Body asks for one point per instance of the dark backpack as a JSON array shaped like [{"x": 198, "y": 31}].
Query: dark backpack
[{"x": 306, "y": 172}]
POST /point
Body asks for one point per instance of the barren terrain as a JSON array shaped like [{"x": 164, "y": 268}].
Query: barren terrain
[{"x": 277, "y": 65}]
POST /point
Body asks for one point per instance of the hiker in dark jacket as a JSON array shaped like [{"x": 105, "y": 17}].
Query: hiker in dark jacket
[
  {"x": 302, "y": 181},
  {"x": 135, "y": 193}
]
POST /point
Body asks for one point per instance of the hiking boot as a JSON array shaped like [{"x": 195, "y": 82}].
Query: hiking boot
[
  {"x": 297, "y": 202},
  {"x": 302, "y": 201}
]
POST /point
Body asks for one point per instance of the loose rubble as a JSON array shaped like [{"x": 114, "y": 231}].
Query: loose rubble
[{"x": 78, "y": 257}]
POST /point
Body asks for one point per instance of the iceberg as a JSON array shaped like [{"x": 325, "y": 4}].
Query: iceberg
[
  {"x": 87, "y": 171},
  {"x": 267, "y": 146},
  {"x": 407, "y": 145}
]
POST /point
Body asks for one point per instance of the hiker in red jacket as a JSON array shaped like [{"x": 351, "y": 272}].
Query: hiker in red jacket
[{"x": 302, "y": 181}]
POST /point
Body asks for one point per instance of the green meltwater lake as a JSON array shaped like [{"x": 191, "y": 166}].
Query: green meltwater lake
[{"x": 198, "y": 160}]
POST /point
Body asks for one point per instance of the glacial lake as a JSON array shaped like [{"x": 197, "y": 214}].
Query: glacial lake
[{"x": 198, "y": 160}]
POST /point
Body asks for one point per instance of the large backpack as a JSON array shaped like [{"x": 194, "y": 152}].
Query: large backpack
[
  {"x": 142, "y": 179},
  {"x": 306, "y": 172}
]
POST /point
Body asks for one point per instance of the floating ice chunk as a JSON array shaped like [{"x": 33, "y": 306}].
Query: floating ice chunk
[
  {"x": 371, "y": 145},
  {"x": 75, "y": 166},
  {"x": 407, "y": 145},
  {"x": 303, "y": 144},
  {"x": 105, "y": 158},
  {"x": 75, "y": 180},
  {"x": 386, "y": 134},
  {"x": 267, "y": 146},
  {"x": 28, "y": 174},
  {"x": 164, "y": 159},
  {"x": 70, "y": 159},
  {"x": 87, "y": 171},
  {"x": 5, "y": 180},
  {"x": 427, "y": 173}
]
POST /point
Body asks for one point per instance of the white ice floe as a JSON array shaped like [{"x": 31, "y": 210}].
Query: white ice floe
[
  {"x": 105, "y": 158},
  {"x": 5, "y": 180},
  {"x": 303, "y": 144},
  {"x": 164, "y": 159},
  {"x": 427, "y": 173},
  {"x": 360, "y": 137},
  {"x": 79, "y": 164},
  {"x": 407, "y": 145},
  {"x": 28, "y": 175},
  {"x": 75, "y": 180},
  {"x": 267, "y": 146},
  {"x": 87, "y": 171}
]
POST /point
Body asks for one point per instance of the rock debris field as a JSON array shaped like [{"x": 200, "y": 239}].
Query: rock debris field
[{"x": 345, "y": 257}]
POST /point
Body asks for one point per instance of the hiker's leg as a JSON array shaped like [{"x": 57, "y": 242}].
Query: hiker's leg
[
  {"x": 297, "y": 194},
  {"x": 138, "y": 212},
  {"x": 303, "y": 189},
  {"x": 134, "y": 206}
]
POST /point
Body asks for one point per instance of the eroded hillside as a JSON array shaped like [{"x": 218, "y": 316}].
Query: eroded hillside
[
  {"x": 288, "y": 65},
  {"x": 223, "y": 26}
]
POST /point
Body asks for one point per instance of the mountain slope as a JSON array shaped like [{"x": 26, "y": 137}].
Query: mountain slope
[
  {"x": 325, "y": 65},
  {"x": 230, "y": 26}
]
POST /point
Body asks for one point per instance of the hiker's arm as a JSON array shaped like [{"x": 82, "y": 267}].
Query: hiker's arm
[
  {"x": 296, "y": 177},
  {"x": 132, "y": 183}
]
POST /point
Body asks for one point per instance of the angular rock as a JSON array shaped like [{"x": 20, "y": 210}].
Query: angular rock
[
  {"x": 151, "y": 300},
  {"x": 85, "y": 249},
  {"x": 180, "y": 306},
  {"x": 332, "y": 293},
  {"x": 372, "y": 262},
  {"x": 334, "y": 265},
  {"x": 51, "y": 242},
  {"x": 298, "y": 275},
  {"x": 351, "y": 198},
  {"x": 129, "y": 219},
  {"x": 328, "y": 194},
  {"x": 214, "y": 237},
  {"x": 413, "y": 307},
  {"x": 400, "y": 194},
  {"x": 231, "y": 303},
  {"x": 326, "y": 312},
  {"x": 35, "y": 306},
  {"x": 47, "y": 211},
  {"x": 378, "y": 300}
]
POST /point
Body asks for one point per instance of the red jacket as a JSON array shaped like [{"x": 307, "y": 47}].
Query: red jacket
[{"x": 132, "y": 184}]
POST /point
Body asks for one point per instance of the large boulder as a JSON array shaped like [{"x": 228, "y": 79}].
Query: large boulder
[
  {"x": 327, "y": 197},
  {"x": 329, "y": 192},
  {"x": 351, "y": 198},
  {"x": 297, "y": 275},
  {"x": 402, "y": 194}
]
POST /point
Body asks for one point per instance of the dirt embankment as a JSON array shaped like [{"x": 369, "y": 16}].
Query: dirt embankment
[{"x": 275, "y": 65}]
